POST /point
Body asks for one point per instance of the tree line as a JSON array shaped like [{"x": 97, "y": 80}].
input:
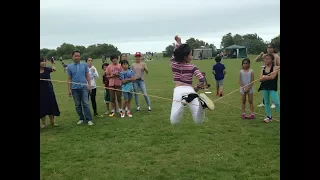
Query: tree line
[
  {"x": 93, "y": 51},
  {"x": 253, "y": 42}
]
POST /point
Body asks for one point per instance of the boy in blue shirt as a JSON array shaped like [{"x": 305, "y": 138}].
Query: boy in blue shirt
[
  {"x": 219, "y": 71},
  {"x": 126, "y": 77}
]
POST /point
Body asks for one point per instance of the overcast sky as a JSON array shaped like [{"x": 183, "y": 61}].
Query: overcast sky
[{"x": 150, "y": 25}]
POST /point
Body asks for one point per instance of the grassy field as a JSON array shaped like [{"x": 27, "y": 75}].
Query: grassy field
[{"x": 148, "y": 147}]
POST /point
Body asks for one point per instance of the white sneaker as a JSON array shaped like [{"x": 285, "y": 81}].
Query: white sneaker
[
  {"x": 138, "y": 108},
  {"x": 206, "y": 102},
  {"x": 273, "y": 106},
  {"x": 80, "y": 122},
  {"x": 90, "y": 123},
  {"x": 149, "y": 108},
  {"x": 261, "y": 105},
  {"x": 129, "y": 114},
  {"x": 122, "y": 114}
]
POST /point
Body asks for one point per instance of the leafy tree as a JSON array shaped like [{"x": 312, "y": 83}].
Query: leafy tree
[
  {"x": 276, "y": 42},
  {"x": 94, "y": 51},
  {"x": 192, "y": 42}
]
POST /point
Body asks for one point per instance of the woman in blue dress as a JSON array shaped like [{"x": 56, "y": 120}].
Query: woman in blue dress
[{"x": 48, "y": 103}]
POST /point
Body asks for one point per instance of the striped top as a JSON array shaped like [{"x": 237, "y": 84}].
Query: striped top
[{"x": 183, "y": 72}]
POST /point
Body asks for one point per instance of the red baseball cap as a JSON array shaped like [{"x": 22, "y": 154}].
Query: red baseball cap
[{"x": 137, "y": 54}]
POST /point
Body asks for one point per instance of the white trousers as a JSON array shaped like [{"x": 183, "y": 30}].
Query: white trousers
[{"x": 177, "y": 108}]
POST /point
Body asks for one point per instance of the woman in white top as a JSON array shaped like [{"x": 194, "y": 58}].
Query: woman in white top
[{"x": 93, "y": 75}]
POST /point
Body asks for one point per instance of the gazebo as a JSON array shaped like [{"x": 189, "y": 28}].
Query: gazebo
[{"x": 238, "y": 51}]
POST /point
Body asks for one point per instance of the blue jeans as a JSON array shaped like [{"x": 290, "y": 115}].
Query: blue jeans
[
  {"x": 140, "y": 84},
  {"x": 81, "y": 100}
]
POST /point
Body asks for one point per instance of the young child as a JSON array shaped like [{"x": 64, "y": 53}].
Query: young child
[
  {"x": 126, "y": 76},
  {"x": 271, "y": 49},
  {"x": 65, "y": 66},
  {"x": 93, "y": 75},
  {"x": 184, "y": 93},
  {"x": 246, "y": 77},
  {"x": 105, "y": 81},
  {"x": 219, "y": 71},
  {"x": 113, "y": 73},
  {"x": 48, "y": 103},
  {"x": 269, "y": 85},
  {"x": 206, "y": 85}
]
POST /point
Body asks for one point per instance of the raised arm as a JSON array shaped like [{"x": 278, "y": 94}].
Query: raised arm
[
  {"x": 177, "y": 44},
  {"x": 260, "y": 57}
]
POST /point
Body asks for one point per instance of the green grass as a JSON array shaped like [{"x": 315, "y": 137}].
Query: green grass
[{"x": 148, "y": 147}]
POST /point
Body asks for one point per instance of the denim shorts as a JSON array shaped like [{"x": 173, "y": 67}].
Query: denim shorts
[{"x": 127, "y": 95}]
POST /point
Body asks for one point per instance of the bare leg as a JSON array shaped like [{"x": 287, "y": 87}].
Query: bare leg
[
  {"x": 52, "y": 121},
  {"x": 108, "y": 106},
  {"x": 43, "y": 119},
  {"x": 243, "y": 104},
  {"x": 250, "y": 98},
  {"x": 128, "y": 105},
  {"x": 124, "y": 104},
  {"x": 217, "y": 89}
]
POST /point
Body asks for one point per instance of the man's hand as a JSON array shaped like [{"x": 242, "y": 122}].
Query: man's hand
[
  {"x": 53, "y": 69},
  {"x": 261, "y": 54},
  {"x": 70, "y": 93},
  {"x": 89, "y": 89}
]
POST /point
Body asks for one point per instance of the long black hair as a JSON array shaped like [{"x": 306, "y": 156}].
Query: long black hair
[
  {"x": 245, "y": 60},
  {"x": 181, "y": 53}
]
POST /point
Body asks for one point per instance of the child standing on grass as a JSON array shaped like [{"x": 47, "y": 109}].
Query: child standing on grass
[
  {"x": 113, "y": 74},
  {"x": 269, "y": 85},
  {"x": 93, "y": 75},
  {"x": 219, "y": 71},
  {"x": 184, "y": 94},
  {"x": 246, "y": 78},
  {"x": 48, "y": 103},
  {"x": 127, "y": 77},
  {"x": 105, "y": 81}
]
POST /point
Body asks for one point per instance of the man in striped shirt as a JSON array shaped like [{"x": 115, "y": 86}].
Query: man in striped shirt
[{"x": 184, "y": 94}]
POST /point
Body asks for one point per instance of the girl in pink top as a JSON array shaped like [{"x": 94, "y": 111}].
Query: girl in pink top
[
  {"x": 184, "y": 93},
  {"x": 113, "y": 74}
]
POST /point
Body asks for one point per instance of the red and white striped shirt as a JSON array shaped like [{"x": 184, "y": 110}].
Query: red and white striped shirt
[{"x": 183, "y": 72}]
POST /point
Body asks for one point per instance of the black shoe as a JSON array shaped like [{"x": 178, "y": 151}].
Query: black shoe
[{"x": 188, "y": 98}]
